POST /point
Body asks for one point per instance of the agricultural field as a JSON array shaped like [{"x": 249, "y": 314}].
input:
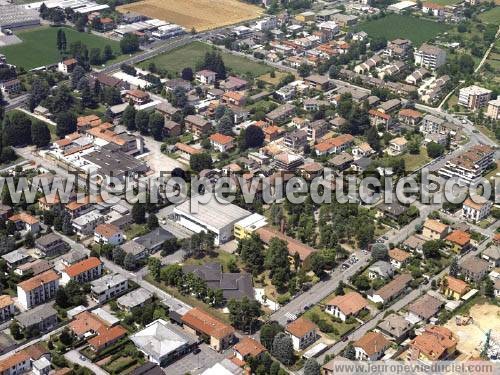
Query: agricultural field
[
  {"x": 39, "y": 46},
  {"x": 189, "y": 55},
  {"x": 415, "y": 29},
  {"x": 200, "y": 14},
  {"x": 491, "y": 16}
]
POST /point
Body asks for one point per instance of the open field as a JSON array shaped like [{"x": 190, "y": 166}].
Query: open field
[
  {"x": 200, "y": 14},
  {"x": 39, "y": 46},
  {"x": 414, "y": 162},
  {"x": 408, "y": 27},
  {"x": 491, "y": 16},
  {"x": 471, "y": 337},
  {"x": 446, "y": 2},
  {"x": 189, "y": 55}
]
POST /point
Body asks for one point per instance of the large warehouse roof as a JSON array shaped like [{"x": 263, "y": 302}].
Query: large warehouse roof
[{"x": 213, "y": 213}]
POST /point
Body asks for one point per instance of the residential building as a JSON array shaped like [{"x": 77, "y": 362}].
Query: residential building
[
  {"x": 85, "y": 225},
  {"x": 458, "y": 241},
  {"x": 7, "y": 309},
  {"x": 344, "y": 306},
  {"x": 493, "y": 111},
  {"x": 334, "y": 145},
  {"x": 233, "y": 98},
  {"x": 207, "y": 77},
  {"x": 380, "y": 269},
  {"x": 233, "y": 285},
  {"x": 436, "y": 10},
  {"x": 40, "y": 319},
  {"x": 303, "y": 333},
  {"x": 108, "y": 234},
  {"x": 152, "y": 241},
  {"x": 474, "y": 269},
  {"x": 435, "y": 230},
  {"x": 106, "y": 338},
  {"x": 409, "y": 116},
  {"x": 82, "y": 272},
  {"x": 222, "y": 142},
  {"x": 248, "y": 347},
  {"x": 429, "y": 56},
  {"x": 172, "y": 128},
  {"x": 15, "y": 364},
  {"x": 289, "y": 162},
  {"x": 316, "y": 129},
  {"x": 477, "y": 209},
  {"x": 454, "y": 288},
  {"x": 474, "y": 97},
  {"x": 318, "y": 82},
  {"x": 398, "y": 48},
  {"x": 398, "y": 146},
  {"x": 492, "y": 255},
  {"x": 213, "y": 216},
  {"x": 468, "y": 167},
  {"x": 199, "y": 322},
  {"x": 138, "y": 97},
  {"x": 396, "y": 327},
  {"x": 51, "y": 244},
  {"x": 136, "y": 298},
  {"x": 371, "y": 346},
  {"x": 38, "y": 289},
  {"x": 163, "y": 342},
  {"x": 266, "y": 234},
  {"x": 296, "y": 140},
  {"x": 424, "y": 308},
  {"x": 67, "y": 66},
  {"x": 398, "y": 257},
  {"x": 72, "y": 257},
  {"x": 435, "y": 343},
  {"x": 33, "y": 268},
  {"x": 197, "y": 125},
  {"x": 16, "y": 257},
  {"x": 281, "y": 113},
  {"x": 136, "y": 249},
  {"x": 391, "y": 290},
  {"x": 379, "y": 118},
  {"x": 26, "y": 222},
  {"x": 108, "y": 287}
]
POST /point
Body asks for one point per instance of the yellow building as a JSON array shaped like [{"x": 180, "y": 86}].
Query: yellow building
[
  {"x": 245, "y": 227},
  {"x": 305, "y": 17},
  {"x": 454, "y": 288},
  {"x": 435, "y": 230}
]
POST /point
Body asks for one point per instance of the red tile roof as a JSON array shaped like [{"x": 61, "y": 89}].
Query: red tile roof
[
  {"x": 202, "y": 322},
  {"x": 34, "y": 282},
  {"x": 300, "y": 327},
  {"x": 83, "y": 266}
]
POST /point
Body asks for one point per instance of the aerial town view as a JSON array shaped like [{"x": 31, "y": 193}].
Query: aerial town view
[{"x": 239, "y": 187}]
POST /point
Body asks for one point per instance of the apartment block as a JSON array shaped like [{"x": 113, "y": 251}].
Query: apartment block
[
  {"x": 474, "y": 97},
  {"x": 430, "y": 56},
  {"x": 38, "y": 289}
]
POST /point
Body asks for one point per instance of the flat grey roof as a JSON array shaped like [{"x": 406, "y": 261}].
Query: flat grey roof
[
  {"x": 100, "y": 285},
  {"x": 214, "y": 213}
]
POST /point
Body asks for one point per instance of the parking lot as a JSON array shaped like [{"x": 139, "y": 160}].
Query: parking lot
[{"x": 195, "y": 363}]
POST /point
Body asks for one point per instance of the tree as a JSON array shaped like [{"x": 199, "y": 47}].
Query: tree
[
  {"x": 29, "y": 240},
  {"x": 139, "y": 213},
  {"x": 201, "y": 161},
  {"x": 17, "y": 129},
  {"x": 431, "y": 248},
  {"x": 489, "y": 288},
  {"x": 373, "y": 139},
  {"x": 187, "y": 74},
  {"x": 254, "y": 137},
  {"x": 251, "y": 251},
  {"x": 339, "y": 291},
  {"x": 267, "y": 333},
  {"x": 317, "y": 263},
  {"x": 276, "y": 260},
  {"x": 142, "y": 121},
  {"x": 38, "y": 92},
  {"x": 311, "y": 367},
  {"x": 282, "y": 348},
  {"x": 107, "y": 54},
  {"x": 15, "y": 330},
  {"x": 154, "y": 267},
  {"x": 213, "y": 61},
  {"x": 225, "y": 125},
  {"x": 380, "y": 252},
  {"x": 333, "y": 71},
  {"x": 350, "y": 352},
  {"x": 67, "y": 227},
  {"x": 155, "y": 125},
  {"x": 244, "y": 313},
  {"x": 95, "y": 56},
  {"x": 118, "y": 255},
  {"x": 129, "y": 43},
  {"x": 152, "y": 222},
  {"x": 65, "y": 124},
  {"x": 87, "y": 96},
  {"x": 66, "y": 337},
  {"x": 77, "y": 74},
  {"x": 62, "y": 298},
  {"x": 129, "y": 262},
  {"x": 128, "y": 117},
  {"x": 454, "y": 268},
  {"x": 434, "y": 149},
  {"x": 304, "y": 70}
]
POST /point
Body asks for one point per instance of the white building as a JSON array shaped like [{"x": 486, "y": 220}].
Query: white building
[
  {"x": 38, "y": 289},
  {"x": 430, "y": 56},
  {"x": 205, "y": 76},
  {"x": 163, "y": 342},
  {"x": 108, "y": 287},
  {"x": 82, "y": 272},
  {"x": 6, "y": 307},
  {"x": 85, "y": 225},
  {"x": 108, "y": 234},
  {"x": 371, "y": 346},
  {"x": 168, "y": 31},
  {"x": 212, "y": 216},
  {"x": 477, "y": 209},
  {"x": 474, "y": 97},
  {"x": 493, "y": 111},
  {"x": 303, "y": 333}
]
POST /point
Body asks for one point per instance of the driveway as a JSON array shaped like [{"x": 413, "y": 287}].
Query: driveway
[
  {"x": 195, "y": 363},
  {"x": 74, "y": 357}
]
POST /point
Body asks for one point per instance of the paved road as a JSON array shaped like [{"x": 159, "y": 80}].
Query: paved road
[
  {"x": 74, "y": 356},
  {"x": 319, "y": 291}
]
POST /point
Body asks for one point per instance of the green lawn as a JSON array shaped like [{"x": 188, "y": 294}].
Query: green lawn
[
  {"x": 189, "y": 55},
  {"x": 39, "y": 46},
  {"x": 414, "y": 162},
  {"x": 446, "y": 2},
  {"x": 396, "y": 26},
  {"x": 491, "y": 16}
]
